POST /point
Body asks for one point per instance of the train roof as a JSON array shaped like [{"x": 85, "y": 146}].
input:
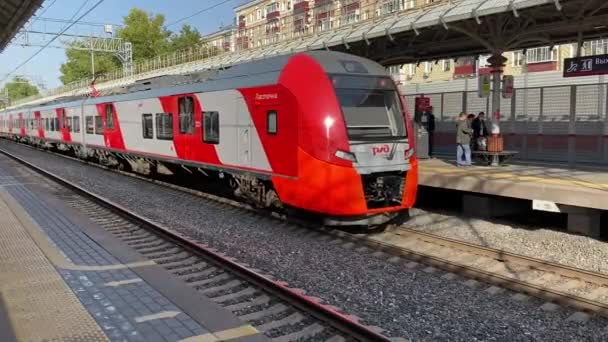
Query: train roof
[{"x": 247, "y": 74}]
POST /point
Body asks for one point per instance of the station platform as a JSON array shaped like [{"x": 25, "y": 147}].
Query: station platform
[
  {"x": 580, "y": 193},
  {"x": 64, "y": 279}
]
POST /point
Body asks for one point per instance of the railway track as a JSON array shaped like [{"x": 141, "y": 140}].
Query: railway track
[
  {"x": 555, "y": 283},
  {"x": 281, "y": 313}
]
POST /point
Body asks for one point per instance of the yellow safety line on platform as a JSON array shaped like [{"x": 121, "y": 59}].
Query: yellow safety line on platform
[
  {"x": 51, "y": 251},
  {"x": 224, "y": 335},
  {"x": 507, "y": 175},
  {"x": 39, "y": 304}
]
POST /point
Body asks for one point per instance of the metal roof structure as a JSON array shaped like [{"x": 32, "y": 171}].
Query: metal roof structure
[
  {"x": 13, "y": 15},
  {"x": 463, "y": 28},
  {"x": 447, "y": 30}
]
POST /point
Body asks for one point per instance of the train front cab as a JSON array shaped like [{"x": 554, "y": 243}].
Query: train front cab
[{"x": 356, "y": 165}]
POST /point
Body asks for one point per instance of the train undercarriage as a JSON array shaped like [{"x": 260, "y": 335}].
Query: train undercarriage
[{"x": 381, "y": 190}]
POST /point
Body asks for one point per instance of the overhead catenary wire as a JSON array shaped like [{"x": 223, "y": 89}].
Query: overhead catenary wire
[
  {"x": 199, "y": 12},
  {"x": 55, "y": 37}
]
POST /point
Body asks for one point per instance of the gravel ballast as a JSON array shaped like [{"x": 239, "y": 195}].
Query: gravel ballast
[
  {"x": 542, "y": 243},
  {"x": 407, "y": 303}
]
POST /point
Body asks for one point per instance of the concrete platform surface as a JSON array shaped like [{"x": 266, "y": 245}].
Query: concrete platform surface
[
  {"x": 62, "y": 278},
  {"x": 586, "y": 189}
]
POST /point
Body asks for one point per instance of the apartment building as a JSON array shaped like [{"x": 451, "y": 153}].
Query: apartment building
[
  {"x": 264, "y": 22},
  {"x": 223, "y": 39},
  {"x": 530, "y": 61}
]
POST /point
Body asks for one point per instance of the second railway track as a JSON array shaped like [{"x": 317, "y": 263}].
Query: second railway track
[{"x": 552, "y": 282}]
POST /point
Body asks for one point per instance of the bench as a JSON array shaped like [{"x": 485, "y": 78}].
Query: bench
[{"x": 494, "y": 158}]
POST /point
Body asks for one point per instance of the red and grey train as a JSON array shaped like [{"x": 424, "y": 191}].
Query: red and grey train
[{"x": 320, "y": 132}]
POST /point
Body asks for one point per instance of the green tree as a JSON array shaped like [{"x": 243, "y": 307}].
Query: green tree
[
  {"x": 78, "y": 64},
  {"x": 188, "y": 37},
  {"x": 147, "y": 34},
  {"x": 19, "y": 88}
]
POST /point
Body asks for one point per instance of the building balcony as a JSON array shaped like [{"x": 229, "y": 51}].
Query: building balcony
[
  {"x": 273, "y": 15},
  {"x": 301, "y": 7},
  {"x": 351, "y": 7},
  {"x": 464, "y": 70},
  {"x": 542, "y": 66}
]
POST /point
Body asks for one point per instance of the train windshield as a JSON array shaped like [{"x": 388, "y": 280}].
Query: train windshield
[{"x": 371, "y": 107}]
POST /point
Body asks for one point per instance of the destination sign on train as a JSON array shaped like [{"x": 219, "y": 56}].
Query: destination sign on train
[{"x": 586, "y": 66}]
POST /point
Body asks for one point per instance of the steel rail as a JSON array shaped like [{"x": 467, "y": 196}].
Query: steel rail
[
  {"x": 324, "y": 313},
  {"x": 545, "y": 293}
]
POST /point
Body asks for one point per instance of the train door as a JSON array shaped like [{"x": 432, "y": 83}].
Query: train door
[
  {"x": 185, "y": 136},
  {"x": 243, "y": 132},
  {"x": 276, "y": 122}
]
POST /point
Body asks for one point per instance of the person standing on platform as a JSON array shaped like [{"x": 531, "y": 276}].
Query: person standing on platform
[
  {"x": 480, "y": 132},
  {"x": 463, "y": 141},
  {"x": 431, "y": 129}
]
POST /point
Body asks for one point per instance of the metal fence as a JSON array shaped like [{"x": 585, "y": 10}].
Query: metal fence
[
  {"x": 567, "y": 124},
  {"x": 258, "y": 37}
]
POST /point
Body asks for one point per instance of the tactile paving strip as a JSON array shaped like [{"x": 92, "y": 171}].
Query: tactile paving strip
[{"x": 40, "y": 305}]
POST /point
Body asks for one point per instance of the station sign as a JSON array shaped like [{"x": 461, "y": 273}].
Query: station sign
[
  {"x": 422, "y": 104},
  {"x": 484, "y": 86},
  {"x": 586, "y": 66}
]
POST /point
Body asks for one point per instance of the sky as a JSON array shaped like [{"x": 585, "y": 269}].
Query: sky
[{"x": 45, "y": 66}]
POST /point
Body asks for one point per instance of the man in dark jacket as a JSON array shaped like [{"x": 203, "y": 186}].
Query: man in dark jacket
[
  {"x": 431, "y": 129},
  {"x": 480, "y": 129}
]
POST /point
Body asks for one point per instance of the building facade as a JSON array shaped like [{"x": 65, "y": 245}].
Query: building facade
[{"x": 223, "y": 39}]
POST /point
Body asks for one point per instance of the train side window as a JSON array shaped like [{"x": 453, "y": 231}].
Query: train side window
[
  {"x": 46, "y": 124},
  {"x": 69, "y": 123},
  {"x": 211, "y": 127},
  {"x": 90, "y": 121},
  {"x": 271, "y": 122},
  {"x": 164, "y": 126},
  {"x": 146, "y": 126},
  {"x": 186, "y": 115},
  {"x": 98, "y": 125},
  {"x": 56, "y": 120},
  {"x": 76, "y": 124},
  {"x": 109, "y": 116}
]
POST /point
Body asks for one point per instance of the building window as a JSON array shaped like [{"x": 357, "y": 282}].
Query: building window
[
  {"x": 428, "y": 67},
  {"x": 186, "y": 115},
  {"x": 517, "y": 59},
  {"x": 98, "y": 125},
  {"x": 164, "y": 126},
  {"x": 211, "y": 127},
  {"x": 541, "y": 55},
  {"x": 90, "y": 125},
  {"x": 146, "y": 126},
  {"x": 596, "y": 47},
  {"x": 447, "y": 64},
  {"x": 76, "y": 124},
  {"x": 109, "y": 116},
  {"x": 271, "y": 122}
]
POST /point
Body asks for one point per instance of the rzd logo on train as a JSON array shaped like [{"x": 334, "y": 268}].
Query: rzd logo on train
[{"x": 382, "y": 149}]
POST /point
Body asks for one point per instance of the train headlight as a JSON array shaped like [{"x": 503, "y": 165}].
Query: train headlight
[
  {"x": 408, "y": 153},
  {"x": 346, "y": 155}
]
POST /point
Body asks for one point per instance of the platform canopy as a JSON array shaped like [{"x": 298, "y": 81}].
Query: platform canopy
[
  {"x": 460, "y": 28},
  {"x": 13, "y": 15}
]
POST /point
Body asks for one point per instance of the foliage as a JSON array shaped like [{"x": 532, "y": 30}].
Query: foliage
[
  {"x": 19, "y": 88},
  {"x": 148, "y": 36},
  {"x": 146, "y": 32},
  {"x": 187, "y": 38}
]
